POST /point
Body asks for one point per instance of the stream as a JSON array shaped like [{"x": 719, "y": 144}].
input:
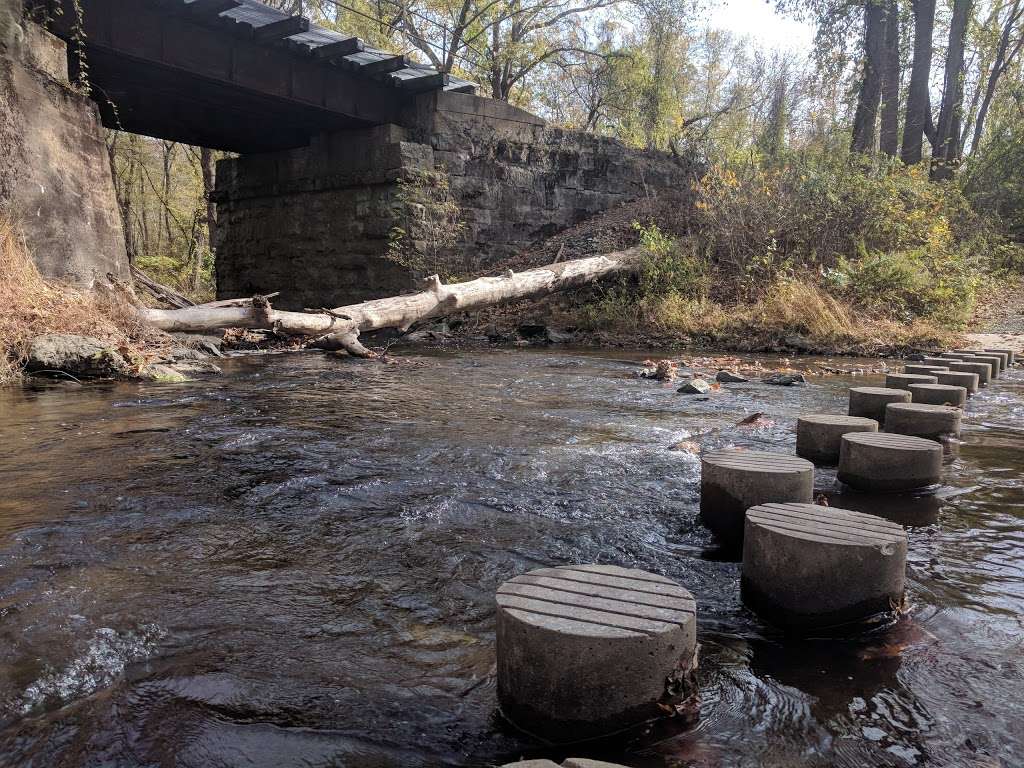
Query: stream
[{"x": 294, "y": 564}]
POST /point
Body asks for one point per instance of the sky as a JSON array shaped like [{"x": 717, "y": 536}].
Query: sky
[{"x": 758, "y": 20}]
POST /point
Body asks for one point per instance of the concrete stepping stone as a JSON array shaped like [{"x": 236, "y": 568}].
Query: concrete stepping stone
[
  {"x": 927, "y": 370},
  {"x": 870, "y": 402},
  {"x": 956, "y": 355},
  {"x": 938, "y": 394},
  {"x": 819, "y": 435},
  {"x": 904, "y": 380},
  {"x": 984, "y": 370},
  {"x": 968, "y": 381},
  {"x": 937, "y": 361},
  {"x": 922, "y": 420},
  {"x": 589, "y": 650},
  {"x": 1004, "y": 358},
  {"x": 734, "y": 479},
  {"x": 885, "y": 462},
  {"x": 995, "y": 362},
  {"x": 808, "y": 567},
  {"x": 1011, "y": 355}
]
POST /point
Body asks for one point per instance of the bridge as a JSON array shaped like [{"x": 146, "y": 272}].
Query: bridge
[{"x": 233, "y": 75}]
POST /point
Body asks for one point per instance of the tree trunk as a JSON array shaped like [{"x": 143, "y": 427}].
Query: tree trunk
[
  {"x": 917, "y": 93},
  {"x": 210, "y": 220},
  {"x": 999, "y": 66},
  {"x": 946, "y": 152},
  {"x": 343, "y": 325},
  {"x": 890, "y": 134},
  {"x": 865, "y": 121}
]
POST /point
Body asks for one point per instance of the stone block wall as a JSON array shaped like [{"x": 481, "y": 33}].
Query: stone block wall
[
  {"x": 313, "y": 223},
  {"x": 55, "y": 181}
]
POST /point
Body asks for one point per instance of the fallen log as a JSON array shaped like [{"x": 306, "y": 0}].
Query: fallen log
[
  {"x": 341, "y": 327},
  {"x": 160, "y": 291}
]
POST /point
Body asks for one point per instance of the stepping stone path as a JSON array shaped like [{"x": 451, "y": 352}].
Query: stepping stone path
[
  {"x": 921, "y": 420},
  {"x": 809, "y": 567},
  {"x": 589, "y": 650},
  {"x": 887, "y": 462},
  {"x": 819, "y": 435},
  {"x": 733, "y": 480},
  {"x": 983, "y": 370},
  {"x": 968, "y": 381},
  {"x": 904, "y": 380},
  {"x": 938, "y": 394},
  {"x": 870, "y": 402}
]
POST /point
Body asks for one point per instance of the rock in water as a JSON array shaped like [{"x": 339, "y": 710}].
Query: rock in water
[
  {"x": 785, "y": 379},
  {"x": 663, "y": 370},
  {"x": 728, "y": 377},
  {"x": 695, "y": 387},
  {"x": 80, "y": 356}
]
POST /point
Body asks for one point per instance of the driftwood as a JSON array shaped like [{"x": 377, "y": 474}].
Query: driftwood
[{"x": 341, "y": 327}]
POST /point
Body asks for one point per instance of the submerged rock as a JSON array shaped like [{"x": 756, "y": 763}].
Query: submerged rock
[
  {"x": 728, "y": 377},
  {"x": 785, "y": 379},
  {"x": 79, "y": 356},
  {"x": 695, "y": 387}
]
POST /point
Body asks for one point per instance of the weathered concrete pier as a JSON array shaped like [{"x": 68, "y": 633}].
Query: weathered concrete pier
[
  {"x": 924, "y": 369},
  {"x": 819, "y": 435},
  {"x": 968, "y": 381},
  {"x": 734, "y": 480},
  {"x": 983, "y": 370},
  {"x": 590, "y": 650},
  {"x": 870, "y": 402},
  {"x": 889, "y": 462},
  {"x": 938, "y": 394},
  {"x": 904, "y": 380},
  {"x": 933, "y": 422},
  {"x": 809, "y": 567}
]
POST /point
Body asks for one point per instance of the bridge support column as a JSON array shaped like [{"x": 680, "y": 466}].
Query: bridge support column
[{"x": 55, "y": 181}]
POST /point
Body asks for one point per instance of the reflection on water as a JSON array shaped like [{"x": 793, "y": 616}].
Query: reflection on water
[{"x": 295, "y": 565}]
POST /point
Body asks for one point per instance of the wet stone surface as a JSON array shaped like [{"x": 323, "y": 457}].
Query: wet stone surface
[{"x": 295, "y": 564}]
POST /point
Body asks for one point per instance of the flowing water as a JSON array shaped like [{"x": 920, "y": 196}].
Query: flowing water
[{"x": 294, "y": 565}]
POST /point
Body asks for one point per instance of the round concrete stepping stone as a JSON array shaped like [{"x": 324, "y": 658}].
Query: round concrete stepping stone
[
  {"x": 968, "y": 381},
  {"x": 586, "y": 650},
  {"x": 982, "y": 354},
  {"x": 734, "y": 480},
  {"x": 927, "y": 370},
  {"x": 984, "y": 370},
  {"x": 938, "y": 394},
  {"x": 904, "y": 380},
  {"x": 808, "y": 567},
  {"x": 887, "y": 462},
  {"x": 818, "y": 435},
  {"x": 993, "y": 362},
  {"x": 870, "y": 402},
  {"x": 931, "y": 421},
  {"x": 1011, "y": 355}
]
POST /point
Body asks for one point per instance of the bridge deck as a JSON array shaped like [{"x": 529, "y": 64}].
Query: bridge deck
[{"x": 236, "y": 74}]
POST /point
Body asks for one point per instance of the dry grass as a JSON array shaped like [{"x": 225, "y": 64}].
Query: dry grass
[
  {"x": 31, "y": 306},
  {"x": 796, "y": 308}
]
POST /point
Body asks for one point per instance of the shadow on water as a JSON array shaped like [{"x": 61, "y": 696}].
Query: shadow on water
[{"x": 295, "y": 564}]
